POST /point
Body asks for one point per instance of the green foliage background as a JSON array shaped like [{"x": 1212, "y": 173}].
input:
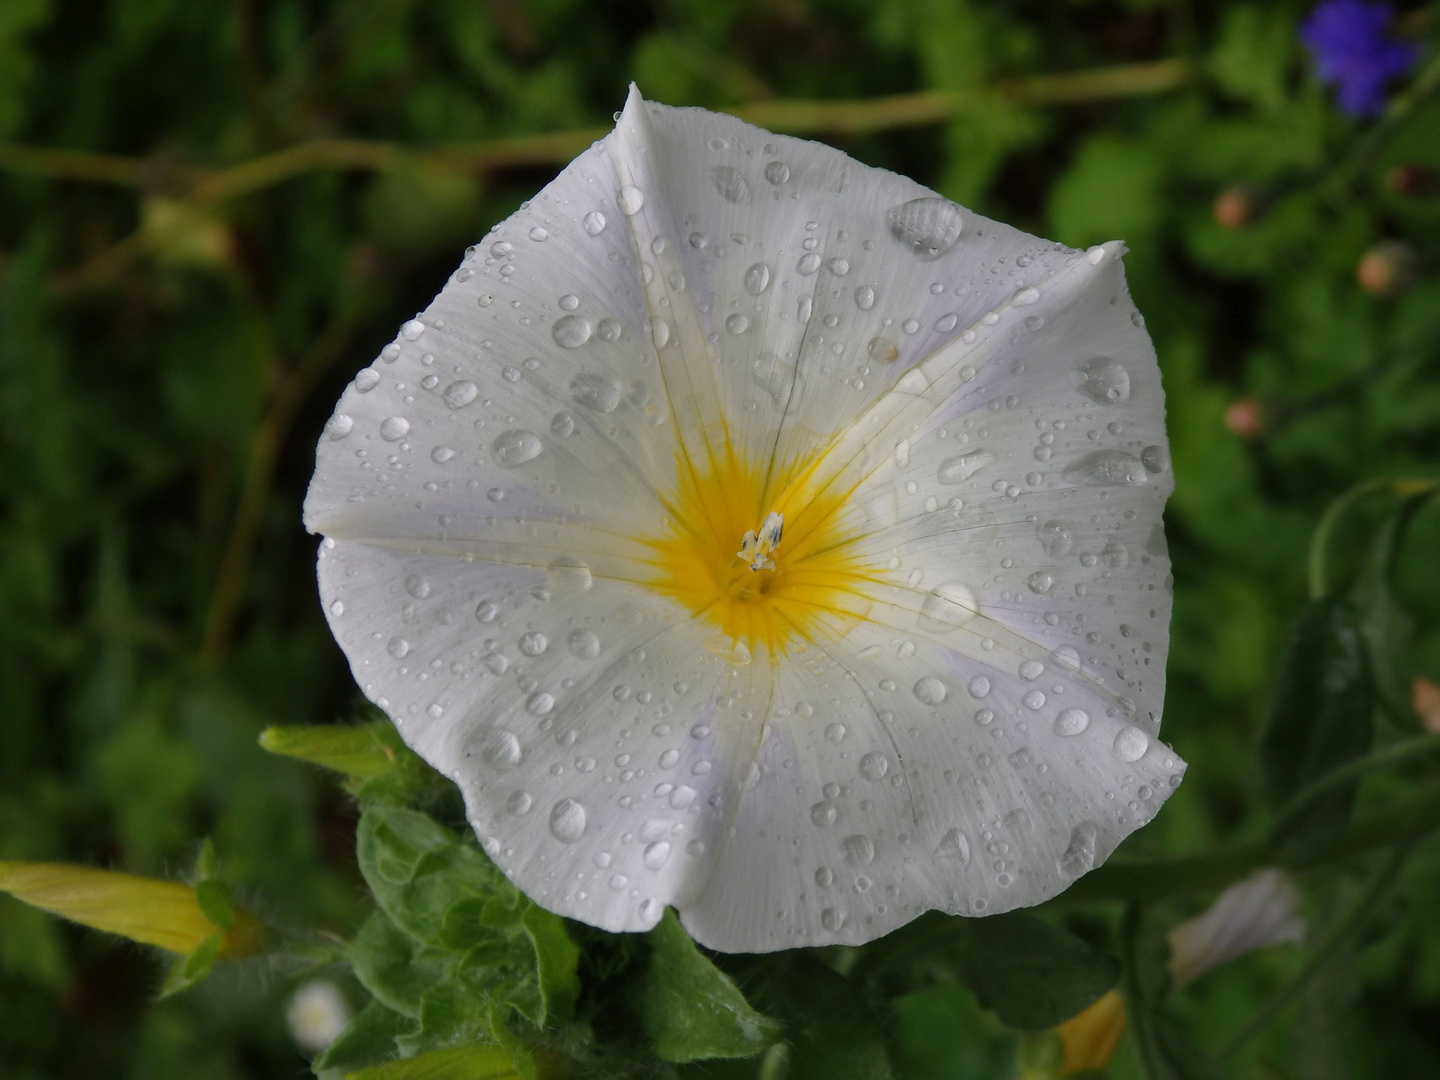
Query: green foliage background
[{"x": 170, "y": 347}]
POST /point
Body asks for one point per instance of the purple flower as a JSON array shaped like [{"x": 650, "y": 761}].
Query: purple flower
[{"x": 1347, "y": 40}]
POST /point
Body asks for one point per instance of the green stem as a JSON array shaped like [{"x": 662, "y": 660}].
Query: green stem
[
  {"x": 1406, "y": 820},
  {"x": 1392, "y": 754},
  {"x": 1320, "y": 542},
  {"x": 1341, "y": 933}
]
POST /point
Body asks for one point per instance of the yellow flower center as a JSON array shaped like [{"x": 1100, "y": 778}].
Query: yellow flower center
[{"x": 762, "y": 558}]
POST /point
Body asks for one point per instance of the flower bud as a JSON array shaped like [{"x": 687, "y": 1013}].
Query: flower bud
[
  {"x": 1425, "y": 697},
  {"x": 1089, "y": 1038},
  {"x": 1234, "y": 208},
  {"x": 1245, "y": 417},
  {"x": 1387, "y": 268},
  {"x": 1250, "y": 914}
]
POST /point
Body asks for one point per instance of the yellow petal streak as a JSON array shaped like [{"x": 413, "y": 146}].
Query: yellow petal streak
[{"x": 819, "y": 587}]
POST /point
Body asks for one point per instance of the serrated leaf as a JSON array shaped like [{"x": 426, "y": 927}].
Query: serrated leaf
[
  {"x": 556, "y": 964},
  {"x": 457, "y": 1063},
  {"x": 830, "y": 1030},
  {"x": 1031, "y": 974},
  {"x": 419, "y": 870},
  {"x": 396, "y": 969},
  {"x": 1320, "y": 718},
  {"x": 690, "y": 1008},
  {"x": 368, "y": 1039}
]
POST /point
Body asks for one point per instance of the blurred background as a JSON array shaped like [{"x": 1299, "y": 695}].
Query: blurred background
[{"x": 213, "y": 212}]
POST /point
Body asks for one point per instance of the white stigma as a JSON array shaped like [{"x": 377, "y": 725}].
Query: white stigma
[{"x": 757, "y": 547}]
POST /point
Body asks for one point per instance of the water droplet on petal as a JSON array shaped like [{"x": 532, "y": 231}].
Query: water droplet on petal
[
  {"x": 1040, "y": 582},
  {"x": 1025, "y": 297},
  {"x": 737, "y": 323},
  {"x": 930, "y": 690},
  {"x": 459, "y": 394},
  {"x": 501, "y": 750},
  {"x": 1034, "y": 699},
  {"x": 979, "y": 686},
  {"x": 730, "y": 183},
  {"x": 808, "y": 264},
  {"x": 659, "y": 332},
  {"x": 1030, "y": 670},
  {"x": 882, "y": 351},
  {"x": 835, "y": 733},
  {"x": 757, "y": 279},
  {"x": 1106, "y": 468},
  {"x": 1079, "y": 856},
  {"x": 1056, "y": 538},
  {"x": 630, "y": 200},
  {"x": 569, "y": 572},
  {"x": 583, "y": 644},
  {"x": 1131, "y": 743},
  {"x": 338, "y": 426},
  {"x": 947, "y": 606},
  {"x": 859, "y": 850},
  {"x": 954, "y": 845},
  {"x": 598, "y": 392},
  {"x": 516, "y": 447},
  {"x": 874, "y": 765},
  {"x": 1071, "y": 722},
  {"x": 823, "y": 813},
  {"x": 777, "y": 172},
  {"x": 571, "y": 331},
  {"x": 656, "y": 854},
  {"x": 1102, "y": 380},
  {"x": 832, "y": 919},
  {"x": 533, "y": 643},
  {"x": 567, "y": 821},
  {"x": 366, "y": 379},
  {"x": 929, "y": 226},
  {"x": 412, "y": 329},
  {"x": 394, "y": 428},
  {"x": 594, "y": 222},
  {"x": 838, "y": 267},
  {"x": 865, "y": 298},
  {"x": 957, "y": 470}
]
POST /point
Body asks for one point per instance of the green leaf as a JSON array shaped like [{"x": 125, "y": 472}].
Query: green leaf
[
  {"x": 1031, "y": 974},
  {"x": 1162, "y": 1052},
  {"x": 418, "y": 870},
  {"x": 556, "y": 964},
  {"x": 216, "y": 902},
  {"x": 1320, "y": 718},
  {"x": 189, "y": 970},
  {"x": 690, "y": 1008},
  {"x": 1385, "y": 625},
  {"x": 457, "y": 1063},
  {"x": 521, "y": 1059},
  {"x": 368, "y": 1039},
  {"x": 451, "y": 1014},
  {"x": 830, "y": 1030},
  {"x": 380, "y": 766},
  {"x": 394, "y": 967}
]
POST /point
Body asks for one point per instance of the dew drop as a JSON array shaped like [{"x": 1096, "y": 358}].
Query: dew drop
[
  {"x": 412, "y": 329},
  {"x": 947, "y": 606},
  {"x": 823, "y": 813},
  {"x": 1131, "y": 743},
  {"x": 1103, "y": 380},
  {"x": 656, "y": 854},
  {"x": 571, "y": 331},
  {"x": 807, "y": 264},
  {"x": 659, "y": 332},
  {"x": 1071, "y": 722},
  {"x": 777, "y": 172},
  {"x": 930, "y": 690},
  {"x": 583, "y": 644},
  {"x": 501, "y": 750},
  {"x": 865, "y": 298},
  {"x": 859, "y": 850},
  {"x": 757, "y": 279},
  {"x": 562, "y": 425},
  {"x": 928, "y": 226},
  {"x": 599, "y": 393},
  {"x": 957, "y": 470},
  {"x": 594, "y": 222},
  {"x": 519, "y": 803},
  {"x": 730, "y": 183},
  {"x": 515, "y": 447},
  {"x": 1040, "y": 582},
  {"x": 1030, "y": 670},
  {"x": 1079, "y": 856},
  {"x": 394, "y": 428},
  {"x": 539, "y": 703},
  {"x": 338, "y": 426},
  {"x": 737, "y": 323},
  {"x": 838, "y": 267},
  {"x": 1034, "y": 699},
  {"x": 874, "y": 765},
  {"x": 835, "y": 733},
  {"x": 1106, "y": 468},
  {"x": 486, "y": 611},
  {"x": 630, "y": 200},
  {"x": 366, "y": 379},
  {"x": 832, "y": 919},
  {"x": 954, "y": 845},
  {"x": 979, "y": 686},
  {"x": 882, "y": 351},
  {"x": 533, "y": 643},
  {"x": 459, "y": 394},
  {"x": 567, "y": 821}
]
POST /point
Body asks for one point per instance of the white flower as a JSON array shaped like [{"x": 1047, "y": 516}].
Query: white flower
[
  {"x": 552, "y": 506},
  {"x": 316, "y": 1015},
  {"x": 1251, "y": 914}
]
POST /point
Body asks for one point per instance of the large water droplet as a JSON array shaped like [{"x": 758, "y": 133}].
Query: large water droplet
[
  {"x": 412, "y": 330},
  {"x": 859, "y": 850},
  {"x": 882, "y": 351},
  {"x": 516, "y": 447},
  {"x": 824, "y": 813},
  {"x": 366, "y": 379},
  {"x": 394, "y": 428},
  {"x": 1102, "y": 380},
  {"x": 865, "y": 298},
  {"x": 838, "y": 267},
  {"x": 730, "y": 183},
  {"x": 1155, "y": 459},
  {"x": 594, "y": 222},
  {"x": 534, "y": 643},
  {"x": 1071, "y": 722},
  {"x": 1030, "y": 670},
  {"x": 1131, "y": 743},
  {"x": 1040, "y": 582},
  {"x": 598, "y": 392},
  {"x": 338, "y": 426},
  {"x": 979, "y": 686},
  {"x": 583, "y": 644},
  {"x": 947, "y": 606},
  {"x": 571, "y": 331},
  {"x": 808, "y": 263},
  {"x": 874, "y": 765},
  {"x": 1079, "y": 856},
  {"x": 567, "y": 821},
  {"x": 1115, "y": 555},
  {"x": 459, "y": 394},
  {"x": 929, "y": 227},
  {"x": 737, "y": 323},
  {"x": 656, "y": 854},
  {"x": 659, "y": 332},
  {"x": 630, "y": 200},
  {"x": 832, "y": 919},
  {"x": 569, "y": 572},
  {"x": 777, "y": 172},
  {"x": 1056, "y": 538},
  {"x": 757, "y": 279},
  {"x": 953, "y": 845},
  {"x": 957, "y": 470},
  {"x": 501, "y": 750},
  {"x": 1106, "y": 468},
  {"x": 930, "y": 690}
]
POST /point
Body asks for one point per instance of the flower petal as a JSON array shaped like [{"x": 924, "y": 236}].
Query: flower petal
[{"x": 966, "y": 715}]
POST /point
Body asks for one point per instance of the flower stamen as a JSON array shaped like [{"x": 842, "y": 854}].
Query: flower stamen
[{"x": 757, "y": 547}]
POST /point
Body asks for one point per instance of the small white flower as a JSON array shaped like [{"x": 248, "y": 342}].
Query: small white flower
[
  {"x": 1251, "y": 914},
  {"x": 754, "y": 532},
  {"x": 316, "y": 1015}
]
